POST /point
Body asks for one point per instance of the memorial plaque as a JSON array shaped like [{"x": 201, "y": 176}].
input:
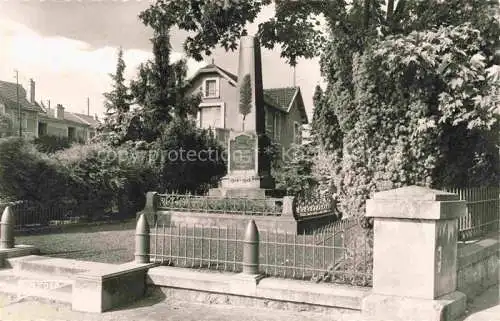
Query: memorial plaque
[{"x": 242, "y": 153}]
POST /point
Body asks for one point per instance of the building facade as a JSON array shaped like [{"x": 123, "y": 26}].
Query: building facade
[
  {"x": 219, "y": 110},
  {"x": 34, "y": 120}
]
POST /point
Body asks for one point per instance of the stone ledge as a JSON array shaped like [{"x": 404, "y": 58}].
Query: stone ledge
[
  {"x": 415, "y": 209},
  {"x": 103, "y": 289},
  {"x": 295, "y": 291},
  {"x": 17, "y": 251},
  {"x": 384, "y": 307},
  {"x": 114, "y": 271},
  {"x": 469, "y": 254}
]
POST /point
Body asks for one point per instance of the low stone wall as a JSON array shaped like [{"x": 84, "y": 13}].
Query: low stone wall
[
  {"x": 215, "y": 287},
  {"x": 282, "y": 224},
  {"x": 265, "y": 223},
  {"x": 478, "y": 266}
]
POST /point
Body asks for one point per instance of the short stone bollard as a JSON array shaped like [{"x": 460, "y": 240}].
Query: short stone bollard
[
  {"x": 142, "y": 240},
  {"x": 7, "y": 229},
  {"x": 251, "y": 249}
]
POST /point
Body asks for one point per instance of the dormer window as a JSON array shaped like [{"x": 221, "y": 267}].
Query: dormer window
[{"x": 211, "y": 88}]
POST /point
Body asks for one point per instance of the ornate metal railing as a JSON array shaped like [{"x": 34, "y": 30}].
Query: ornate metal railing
[
  {"x": 211, "y": 204},
  {"x": 312, "y": 204}
]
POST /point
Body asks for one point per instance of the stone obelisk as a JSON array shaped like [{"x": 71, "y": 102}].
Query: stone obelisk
[{"x": 248, "y": 172}]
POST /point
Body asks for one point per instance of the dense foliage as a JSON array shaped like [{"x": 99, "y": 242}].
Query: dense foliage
[
  {"x": 294, "y": 174},
  {"x": 50, "y": 143},
  {"x": 27, "y": 174},
  {"x": 192, "y": 161},
  {"x": 92, "y": 178},
  {"x": 405, "y": 81}
]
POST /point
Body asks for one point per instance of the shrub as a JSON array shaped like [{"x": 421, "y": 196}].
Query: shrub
[
  {"x": 294, "y": 173},
  {"x": 50, "y": 144},
  {"x": 27, "y": 174},
  {"x": 189, "y": 174},
  {"x": 105, "y": 178}
]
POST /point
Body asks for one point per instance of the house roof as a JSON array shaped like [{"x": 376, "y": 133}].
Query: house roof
[
  {"x": 88, "y": 119},
  {"x": 77, "y": 118},
  {"x": 212, "y": 68},
  {"x": 8, "y": 96},
  {"x": 279, "y": 98},
  {"x": 283, "y": 97}
]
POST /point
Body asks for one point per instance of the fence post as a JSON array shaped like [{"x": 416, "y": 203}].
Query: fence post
[
  {"x": 7, "y": 229},
  {"x": 289, "y": 206},
  {"x": 142, "y": 240},
  {"x": 251, "y": 249}
]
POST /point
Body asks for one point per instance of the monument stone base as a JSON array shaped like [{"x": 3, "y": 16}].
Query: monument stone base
[{"x": 243, "y": 186}]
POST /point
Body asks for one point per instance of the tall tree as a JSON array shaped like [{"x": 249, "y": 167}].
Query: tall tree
[
  {"x": 245, "y": 99},
  {"x": 117, "y": 102},
  {"x": 160, "y": 88}
]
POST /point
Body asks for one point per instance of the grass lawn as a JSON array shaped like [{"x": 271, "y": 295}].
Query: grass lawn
[{"x": 110, "y": 243}]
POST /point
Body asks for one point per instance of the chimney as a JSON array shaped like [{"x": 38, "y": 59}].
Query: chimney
[
  {"x": 60, "y": 111},
  {"x": 32, "y": 91},
  {"x": 88, "y": 106},
  {"x": 250, "y": 63}
]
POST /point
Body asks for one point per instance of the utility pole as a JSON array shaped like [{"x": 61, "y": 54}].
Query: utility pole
[
  {"x": 294, "y": 76},
  {"x": 18, "y": 104},
  {"x": 88, "y": 106}
]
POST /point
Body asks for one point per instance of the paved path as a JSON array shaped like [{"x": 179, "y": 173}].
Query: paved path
[
  {"x": 485, "y": 307},
  {"x": 151, "y": 309}
]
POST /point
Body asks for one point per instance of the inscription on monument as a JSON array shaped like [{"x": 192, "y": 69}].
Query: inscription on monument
[{"x": 242, "y": 153}]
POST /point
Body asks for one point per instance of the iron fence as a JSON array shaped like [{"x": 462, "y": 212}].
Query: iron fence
[
  {"x": 334, "y": 255},
  {"x": 483, "y": 211},
  {"x": 226, "y": 205},
  {"x": 29, "y": 215}
]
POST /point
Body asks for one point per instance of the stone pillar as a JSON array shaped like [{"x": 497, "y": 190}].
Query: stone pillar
[{"x": 415, "y": 255}]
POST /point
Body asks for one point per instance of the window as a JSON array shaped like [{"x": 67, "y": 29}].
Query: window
[
  {"x": 24, "y": 121},
  {"x": 211, "y": 88},
  {"x": 2, "y": 108},
  {"x": 210, "y": 117},
  {"x": 277, "y": 126},
  {"x": 42, "y": 129},
  {"x": 71, "y": 133},
  {"x": 270, "y": 123},
  {"x": 297, "y": 133}
]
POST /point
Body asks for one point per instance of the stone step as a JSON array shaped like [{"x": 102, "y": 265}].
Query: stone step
[
  {"x": 52, "y": 266},
  {"x": 25, "y": 284}
]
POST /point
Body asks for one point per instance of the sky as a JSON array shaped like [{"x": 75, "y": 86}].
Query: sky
[{"x": 69, "y": 48}]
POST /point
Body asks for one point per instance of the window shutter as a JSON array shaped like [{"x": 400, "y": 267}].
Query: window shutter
[{"x": 217, "y": 85}]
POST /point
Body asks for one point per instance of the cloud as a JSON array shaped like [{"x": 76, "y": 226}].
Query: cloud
[{"x": 66, "y": 71}]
